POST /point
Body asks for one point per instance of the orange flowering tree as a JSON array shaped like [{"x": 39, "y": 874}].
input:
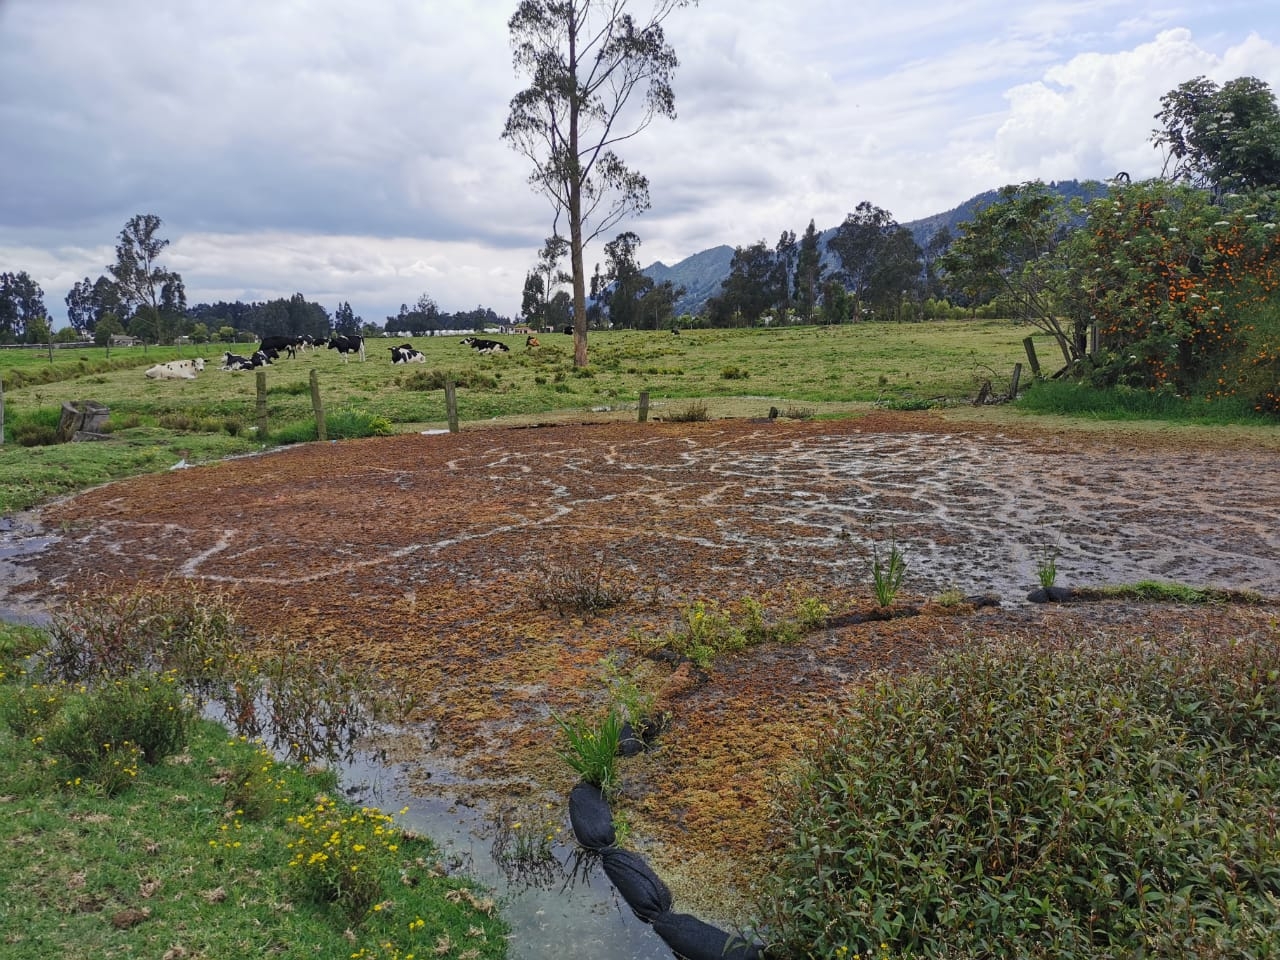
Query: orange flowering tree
[{"x": 1182, "y": 289}]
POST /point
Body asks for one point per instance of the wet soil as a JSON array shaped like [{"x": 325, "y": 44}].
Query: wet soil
[{"x": 421, "y": 557}]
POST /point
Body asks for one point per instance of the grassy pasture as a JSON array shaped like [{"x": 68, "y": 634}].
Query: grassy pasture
[{"x": 816, "y": 370}]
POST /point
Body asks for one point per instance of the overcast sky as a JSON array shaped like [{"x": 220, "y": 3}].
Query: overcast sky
[{"x": 351, "y": 151}]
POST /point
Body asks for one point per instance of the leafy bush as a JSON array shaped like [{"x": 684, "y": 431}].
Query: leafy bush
[
  {"x": 34, "y": 428},
  {"x": 316, "y": 707},
  {"x": 101, "y": 734},
  {"x": 1069, "y": 803},
  {"x": 342, "y": 858},
  {"x": 693, "y": 412}
]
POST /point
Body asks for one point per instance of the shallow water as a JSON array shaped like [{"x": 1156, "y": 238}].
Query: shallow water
[{"x": 565, "y": 914}]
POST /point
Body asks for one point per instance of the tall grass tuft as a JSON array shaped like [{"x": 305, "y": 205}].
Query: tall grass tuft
[
  {"x": 591, "y": 748},
  {"x": 887, "y": 574}
]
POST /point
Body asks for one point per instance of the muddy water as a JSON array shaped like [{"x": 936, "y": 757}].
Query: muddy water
[{"x": 976, "y": 513}]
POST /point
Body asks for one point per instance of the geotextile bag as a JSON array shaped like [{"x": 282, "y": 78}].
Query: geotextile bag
[
  {"x": 692, "y": 939},
  {"x": 644, "y": 891},
  {"x": 590, "y": 817}
]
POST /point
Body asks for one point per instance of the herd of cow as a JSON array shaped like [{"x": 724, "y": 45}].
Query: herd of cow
[{"x": 272, "y": 348}]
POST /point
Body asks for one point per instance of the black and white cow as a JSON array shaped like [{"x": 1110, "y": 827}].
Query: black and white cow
[
  {"x": 280, "y": 345},
  {"x": 232, "y": 361},
  {"x": 485, "y": 346},
  {"x": 405, "y": 353},
  {"x": 346, "y": 345}
]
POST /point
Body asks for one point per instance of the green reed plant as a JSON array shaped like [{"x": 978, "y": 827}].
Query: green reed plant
[
  {"x": 887, "y": 574},
  {"x": 1046, "y": 558},
  {"x": 591, "y": 748}
]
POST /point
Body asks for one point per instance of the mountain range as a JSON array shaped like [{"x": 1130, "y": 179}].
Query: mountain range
[{"x": 702, "y": 274}]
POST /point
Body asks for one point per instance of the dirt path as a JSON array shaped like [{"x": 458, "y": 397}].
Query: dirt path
[{"x": 415, "y": 555}]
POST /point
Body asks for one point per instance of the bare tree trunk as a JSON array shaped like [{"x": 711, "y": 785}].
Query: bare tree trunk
[{"x": 575, "y": 221}]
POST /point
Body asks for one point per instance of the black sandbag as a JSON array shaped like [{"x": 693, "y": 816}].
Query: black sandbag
[
  {"x": 643, "y": 889},
  {"x": 630, "y": 741},
  {"x": 692, "y": 939},
  {"x": 590, "y": 817},
  {"x": 640, "y": 736}
]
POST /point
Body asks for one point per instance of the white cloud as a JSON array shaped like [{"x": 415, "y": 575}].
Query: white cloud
[{"x": 352, "y": 151}]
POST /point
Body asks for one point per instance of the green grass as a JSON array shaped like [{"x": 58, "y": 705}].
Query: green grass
[
  {"x": 154, "y": 424},
  {"x": 215, "y": 850},
  {"x": 1068, "y": 398}
]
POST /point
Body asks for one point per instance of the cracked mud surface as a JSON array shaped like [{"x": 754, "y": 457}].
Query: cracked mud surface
[{"x": 414, "y": 555}]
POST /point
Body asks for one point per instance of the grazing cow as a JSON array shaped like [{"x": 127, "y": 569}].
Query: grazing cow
[
  {"x": 176, "y": 370},
  {"x": 530, "y": 342},
  {"x": 405, "y": 353},
  {"x": 485, "y": 346},
  {"x": 277, "y": 344},
  {"x": 569, "y": 331},
  {"x": 346, "y": 345}
]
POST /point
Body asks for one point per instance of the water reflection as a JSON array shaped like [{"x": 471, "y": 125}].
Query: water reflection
[{"x": 558, "y": 906}]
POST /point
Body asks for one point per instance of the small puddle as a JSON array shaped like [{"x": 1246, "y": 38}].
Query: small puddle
[{"x": 20, "y": 538}]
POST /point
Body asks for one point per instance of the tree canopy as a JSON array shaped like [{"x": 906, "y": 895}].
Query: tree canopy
[
  {"x": 1224, "y": 138},
  {"x": 597, "y": 77}
]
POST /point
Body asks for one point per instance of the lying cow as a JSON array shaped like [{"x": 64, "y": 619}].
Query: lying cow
[
  {"x": 232, "y": 361},
  {"x": 176, "y": 370},
  {"x": 530, "y": 342},
  {"x": 405, "y": 353},
  {"x": 485, "y": 346},
  {"x": 346, "y": 345}
]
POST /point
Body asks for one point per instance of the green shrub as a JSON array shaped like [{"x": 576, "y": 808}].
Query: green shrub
[
  {"x": 693, "y": 412},
  {"x": 102, "y": 734},
  {"x": 33, "y": 428},
  {"x": 353, "y": 424},
  {"x": 1081, "y": 802}
]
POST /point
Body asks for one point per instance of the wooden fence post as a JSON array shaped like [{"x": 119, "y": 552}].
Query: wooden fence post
[
  {"x": 261, "y": 406},
  {"x": 644, "y": 405},
  {"x": 317, "y": 405},
  {"x": 1031, "y": 356},
  {"x": 1013, "y": 387},
  {"x": 451, "y": 404}
]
